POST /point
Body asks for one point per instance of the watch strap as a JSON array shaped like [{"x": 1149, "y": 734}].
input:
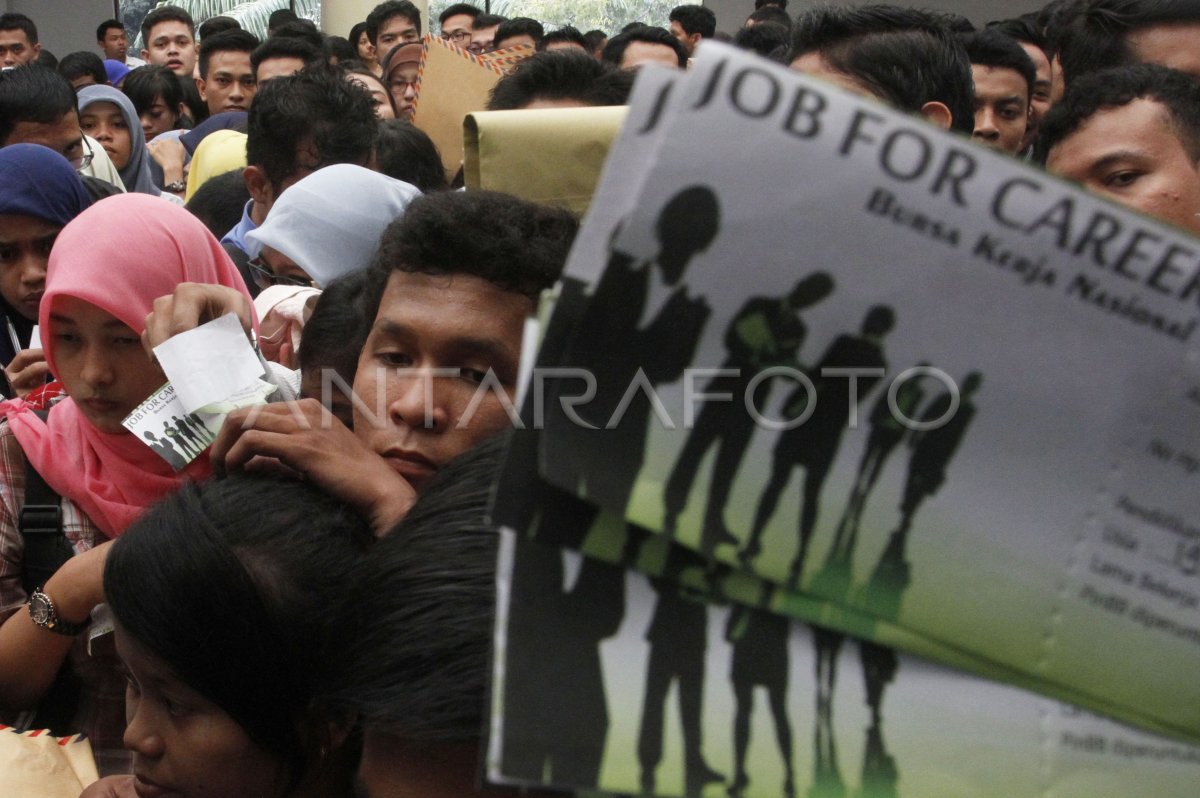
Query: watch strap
[{"x": 52, "y": 623}]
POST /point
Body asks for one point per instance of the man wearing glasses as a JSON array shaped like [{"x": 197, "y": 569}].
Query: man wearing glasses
[
  {"x": 38, "y": 106},
  {"x": 456, "y": 24}
]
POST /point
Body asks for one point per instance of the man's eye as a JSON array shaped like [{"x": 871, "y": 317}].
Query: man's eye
[
  {"x": 1122, "y": 179},
  {"x": 8, "y": 253}
]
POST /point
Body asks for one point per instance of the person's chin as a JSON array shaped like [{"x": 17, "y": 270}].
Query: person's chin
[{"x": 104, "y": 415}]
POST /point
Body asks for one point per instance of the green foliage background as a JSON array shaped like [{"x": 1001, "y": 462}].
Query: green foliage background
[{"x": 607, "y": 15}]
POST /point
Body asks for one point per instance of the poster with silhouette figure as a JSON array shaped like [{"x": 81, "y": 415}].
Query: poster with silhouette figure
[
  {"x": 175, "y": 435},
  {"x": 756, "y": 704},
  {"x": 994, "y": 396}
]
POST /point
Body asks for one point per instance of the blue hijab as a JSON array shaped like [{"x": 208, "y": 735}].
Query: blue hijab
[
  {"x": 136, "y": 174},
  {"x": 37, "y": 182}
]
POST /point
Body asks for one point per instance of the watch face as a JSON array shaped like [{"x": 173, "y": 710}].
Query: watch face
[{"x": 39, "y": 609}]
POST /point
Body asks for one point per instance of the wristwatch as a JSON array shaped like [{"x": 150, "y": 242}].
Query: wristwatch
[
  {"x": 178, "y": 187},
  {"x": 41, "y": 610}
]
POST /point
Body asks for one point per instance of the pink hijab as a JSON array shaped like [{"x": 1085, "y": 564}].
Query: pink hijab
[{"x": 120, "y": 255}]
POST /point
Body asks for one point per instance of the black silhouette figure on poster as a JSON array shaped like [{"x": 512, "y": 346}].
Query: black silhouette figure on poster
[
  {"x": 164, "y": 449},
  {"x": 879, "y": 774},
  {"x": 179, "y": 440},
  {"x": 887, "y": 430},
  {"x": 678, "y": 636},
  {"x": 932, "y": 451},
  {"x": 559, "y": 744},
  {"x": 760, "y": 659},
  {"x": 619, "y": 350},
  {"x": 813, "y": 445},
  {"x": 827, "y": 775},
  {"x": 765, "y": 333},
  {"x": 191, "y": 426}
]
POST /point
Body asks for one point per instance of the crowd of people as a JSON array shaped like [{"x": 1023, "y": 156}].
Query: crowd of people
[{"x": 330, "y": 635}]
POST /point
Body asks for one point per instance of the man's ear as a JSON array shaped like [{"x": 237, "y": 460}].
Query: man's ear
[
  {"x": 258, "y": 185},
  {"x": 695, "y": 37},
  {"x": 937, "y": 113},
  {"x": 145, "y": 55},
  {"x": 200, "y": 83},
  {"x": 37, "y": 50}
]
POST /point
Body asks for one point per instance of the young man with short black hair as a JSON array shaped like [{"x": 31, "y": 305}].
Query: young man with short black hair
[
  {"x": 391, "y": 23},
  {"x": 690, "y": 24},
  {"x": 1132, "y": 134},
  {"x": 169, "y": 39},
  {"x": 565, "y": 38},
  {"x": 518, "y": 30},
  {"x": 455, "y": 23},
  {"x": 227, "y": 81},
  {"x": 1106, "y": 33},
  {"x": 1004, "y": 77},
  {"x": 483, "y": 33},
  {"x": 561, "y": 80},
  {"x": 114, "y": 43},
  {"x": 18, "y": 40},
  {"x": 280, "y": 56},
  {"x": 1047, "y": 84},
  {"x": 644, "y": 45}
]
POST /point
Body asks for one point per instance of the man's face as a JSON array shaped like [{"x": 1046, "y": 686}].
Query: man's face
[
  {"x": 516, "y": 41},
  {"x": 482, "y": 39},
  {"x": 687, "y": 40},
  {"x": 457, "y": 30},
  {"x": 1133, "y": 155},
  {"x": 397, "y": 30},
  {"x": 15, "y": 49},
  {"x": 434, "y": 342},
  {"x": 638, "y": 53},
  {"x": 115, "y": 44},
  {"x": 63, "y": 136},
  {"x": 172, "y": 45},
  {"x": 1175, "y": 45},
  {"x": 279, "y": 67},
  {"x": 1043, "y": 88},
  {"x": 230, "y": 84},
  {"x": 1001, "y": 107}
]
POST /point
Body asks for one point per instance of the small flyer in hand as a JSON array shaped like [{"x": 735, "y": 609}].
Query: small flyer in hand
[{"x": 174, "y": 434}]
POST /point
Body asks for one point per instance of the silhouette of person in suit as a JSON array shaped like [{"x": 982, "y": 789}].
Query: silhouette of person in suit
[
  {"x": 814, "y": 444},
  {"x": 185, "y": 429},
  {"x": 179, "y": 440},
  {"x": 827, "y": 775},
  {"x": 932, "y": 451},
  {"x": 879, "y": 774},
  {"x": 760, "y": 659},
  {"x": 165, "y": 450},
  {"x": 678, "y": 636},
  {"x": 619, "y": 348},
  {"x": 765, "y": 333}
]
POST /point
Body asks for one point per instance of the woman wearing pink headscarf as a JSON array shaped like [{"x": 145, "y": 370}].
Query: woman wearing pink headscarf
[{"x": 106, "y": 269}]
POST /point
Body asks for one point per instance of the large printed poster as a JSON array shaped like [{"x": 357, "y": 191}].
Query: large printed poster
[{"x": 829, "y": 346}]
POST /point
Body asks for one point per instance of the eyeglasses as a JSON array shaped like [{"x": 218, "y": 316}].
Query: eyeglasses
[
  {"x": 83, "y": 161},
  {"x": 459, "y": 37},
  {"x": 265, "y": 278}
]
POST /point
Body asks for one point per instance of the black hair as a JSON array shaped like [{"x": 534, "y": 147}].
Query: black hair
[
  {"x": 487, "y": 20},
  {"x": 304, "y": 29},
  {"x": 197, "y": 108},
  {"x": 46, "y": 58},
  {"x": 84, "y": 62},
  {"x": 457, "y": 9},
  {"x": 419, "y": 667},
  {"x": 280, "y": 16},
  {"x": 1107, "y": 89},
  {"x": 165, "y": 14},
  {"x": 286, "y": 47},
  {"x": 236, "y": 41},
  {"x": 513, "y": 244},
  {"x": 340, "y": 50},
  {"x": 17, "y": 21},
  {"x": 614, "y": 51},
  {"x": 1025, "y": 30},
  {"x": 903, "y": 56},
  {"x": 33, "y": 93},
  {"x": 336, "y": 332},
  {"x": 238, "y": 586},
  {"x": 220, "y": 201},
  {"x": 955, "y": 23},
  {"x": 214, "y": 25},
  {"x": 1095, "y": 34},
  {"x": 103, "y": 28},
  {"x": 146, "y": 83},
  {"x": 770, "y": 14},
  {"x": 628, "y": 26},
  {"x": 695, "y": 19},
  {"x": 559, "y": 75},
  {"x": 406, "y": 153},
  {"x": 595, "y": 39},
  {"x": 768, "y": 39},
  {"x": 769, "y": 3},
  {"x": 519, "y": 26},
  {"x": 385, "y": 11},
  {"x": 566, "y": 33},
  {"x": 316, "y": 104},
  {"x": 356, "y": 33},
  {"x": 991, "y": 48}
]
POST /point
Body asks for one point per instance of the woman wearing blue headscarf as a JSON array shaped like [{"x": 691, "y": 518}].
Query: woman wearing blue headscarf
[
  {"x": 108, "y": 116},
  {"x": 41, "y": 194}
]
